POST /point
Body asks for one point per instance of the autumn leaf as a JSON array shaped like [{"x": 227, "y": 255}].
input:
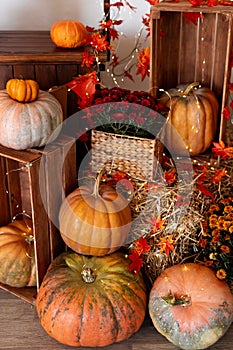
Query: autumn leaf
[
  {"x": 87, "y": 59},
  {"x": 152, "y": 2},
  {"x": 113, "y": 33},
  {"x": 205, "y": 191},
  {"x": 211, "y": 3},
  {"x": 166, "y": 245},
  {"x": 170, "y": 176},
  {"x": 128, "y": 75},
  {"x": 99, "y": 42},
  {"x": 193, "y": 16},
  {"x": 84, "y": 87},
  {"x": 143, "y": 63},
  {"x": 156, "y": 224},
  {"x": 219, "y": 149},
  {"x": 142, "y": 246},
  {"x": 137, "y": 261},
  {"x": 226, "y": 113},
  {"x": 117, "y": 4},
  {"x": 115, "y": 60},
  {"x": 133, "y": 8},
  {"x": 218, "y": 174}
]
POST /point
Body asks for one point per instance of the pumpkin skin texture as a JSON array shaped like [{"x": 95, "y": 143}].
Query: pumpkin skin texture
[
  {"x": 22, "y": 90},
  {"x": 205, "y": 312},
  {"x": 68, "y": 34},
  {"x": 95, "y": 220},
  {"x": 192, "y": 119},
  {"x": 28, "y": 125},
  {"x": 17, "y": 258},
  {"x": 78, "y": 309}
]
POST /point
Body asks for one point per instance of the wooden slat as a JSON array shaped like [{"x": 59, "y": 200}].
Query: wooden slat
[{"x": 36, "y": 46}]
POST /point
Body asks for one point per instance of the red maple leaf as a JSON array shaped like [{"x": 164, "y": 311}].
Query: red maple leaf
[
  {"x": 170, "y": 176},
  {"x": 143, "y": 63},
  {"x": 219, "y": 149},
  {"x": 152, "y": 2},
  {"x": 204, "y": 190},
  {"x": 226, "y": 113},
  {"x": 87, "y": 59},
  {"x": 142, "y": 246},
  {"x": 166, "y": 244},
  {"x": 133, "y": 8},
  {"x": 84, "y": 87},
  {"x": 99, "y": 42},
  {"x": 193, "y": 16},
  {"x": 211, "y": 3},
  {"x": 113, "y": 33},
  {"x": 115, "y": 4},
  {"x": 156, "y": 224},
  {"x": 136, "y": 264},
  {"x": 218, "y": 174},
  {"x": 115, "y": 61},
  {"x": 128, "y": 75}
]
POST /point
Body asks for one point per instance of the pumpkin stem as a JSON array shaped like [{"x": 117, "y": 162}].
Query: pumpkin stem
[
  {"x": 88, "y": 275},
  {"x": 190, "y": 87},
  {"x": 183, "y": 300},
  {"x": 97, "y": 183}
]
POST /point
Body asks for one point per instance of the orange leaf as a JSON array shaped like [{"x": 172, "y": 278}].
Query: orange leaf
[{"x": 143, "y": 63}]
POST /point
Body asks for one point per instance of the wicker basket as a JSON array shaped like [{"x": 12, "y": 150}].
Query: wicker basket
[{"x": 136, "y": 156}]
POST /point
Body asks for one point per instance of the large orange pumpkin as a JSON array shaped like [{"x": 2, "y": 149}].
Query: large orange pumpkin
[
  {"x": 27, "y": 125},
  {"x": 68, "y": 34},
  {"x": 190, "y": 306},
  {"x": 95, "y": 220},
  {"x": 17, "y": 258},
  {"x": 91, "y": 302},
  {"x": 192, "y": 119}
]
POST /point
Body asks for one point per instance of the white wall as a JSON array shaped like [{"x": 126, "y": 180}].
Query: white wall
[{"x": 41, "y": 14}]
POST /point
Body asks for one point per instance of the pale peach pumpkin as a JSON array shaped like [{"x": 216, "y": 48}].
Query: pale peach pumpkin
[
  {"x": 190, "y": 306},
  {"x": 27, "y": 125}
]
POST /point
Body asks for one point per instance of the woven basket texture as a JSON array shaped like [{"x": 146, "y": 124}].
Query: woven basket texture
[{"x": 136, "y": 156}]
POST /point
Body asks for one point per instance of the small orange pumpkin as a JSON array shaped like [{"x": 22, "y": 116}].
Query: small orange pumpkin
[
  {"x": 17, "y": 258},
  {"x": 68, "y": 34},
  {"x": 22, "y": 90},
  {"x": 190, "y": 306},
  {"x": 95, "y": 220}
]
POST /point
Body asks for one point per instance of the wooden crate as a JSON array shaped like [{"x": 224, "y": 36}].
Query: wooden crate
[
  {"x": 32, "y": 55},
  {"x": 35, "y": 181},
  {"x": 184, "y": 52}
]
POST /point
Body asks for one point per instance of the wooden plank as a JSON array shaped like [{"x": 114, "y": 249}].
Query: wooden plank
[
  {"x": 25, "y": 71},
  {"x": 46, "y": 75},
  {"x": 40, "y": 224},
  {"x": 36, "y": 47},
  {"x": 27, "y": 294},
  {"x": 4, "y": 199},
  {"x": 6, "y": 73}
]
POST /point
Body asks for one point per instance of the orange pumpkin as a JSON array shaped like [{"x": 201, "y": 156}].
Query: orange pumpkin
[
  {"x": 27, "y": 125},
  {"x": 91, "y": 302},
  {"x": 192, "y": 119},
  {"x": 68, "y": 34},
  {"x": 95, "y": 220},
  {"x": 190, "y": 306},
  {"x": 22, "y": 90},
  {"x": 17, "y": 258}
]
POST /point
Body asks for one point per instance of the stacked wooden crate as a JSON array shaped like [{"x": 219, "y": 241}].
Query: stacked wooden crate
[
  {"x": 35, "y": 182},
  {"x": 192, "y": 44}
]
